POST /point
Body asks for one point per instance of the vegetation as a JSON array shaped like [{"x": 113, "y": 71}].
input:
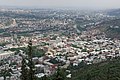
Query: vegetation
[
  {"x": 8, "y": 23},
  {"x": 109, "y": 70},
  {"x": 59, "y": 75},
  {"x": 5, "y": 73},
  {"x": 2, "y": 30},
  {"x": 3, "y": 44},
  {"x": 36, "y": 52},
  {"x": 75, "y": 46},
  {"x": 111, "y": 28},
  {"x": 28, "y": 68},
  {"x": 84, "y": 50}
]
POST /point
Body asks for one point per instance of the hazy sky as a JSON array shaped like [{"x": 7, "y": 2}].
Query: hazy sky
[{"x": 96, "y": 4}]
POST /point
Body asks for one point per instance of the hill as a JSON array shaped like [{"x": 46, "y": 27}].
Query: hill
[
  {"x": 111, "y": 28},
  {"x": 109, "y": 70}
]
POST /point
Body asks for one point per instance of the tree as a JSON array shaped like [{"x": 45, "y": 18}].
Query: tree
[
  {"x": 31, "y": 66},
  {"x": 60, "y": 74},
  {"x": 24, "y": 72},
  {"x": 5, "y": 72},
  {"x": 28, "y": 68}
]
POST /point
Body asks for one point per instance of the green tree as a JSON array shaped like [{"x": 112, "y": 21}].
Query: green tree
[
  {"x": 24, "y": 72},
  {"x": 5, "y": 72},
  {"x": 28, "y": 68},
  {"x": 31, "y": 66},
  {"x": 60, "y": 75}
]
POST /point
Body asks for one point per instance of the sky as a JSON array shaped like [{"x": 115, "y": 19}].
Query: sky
[{"x": 83, "y": 4}]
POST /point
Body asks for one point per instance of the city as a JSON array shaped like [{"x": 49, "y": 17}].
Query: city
[{"x": 52, "y": 39}]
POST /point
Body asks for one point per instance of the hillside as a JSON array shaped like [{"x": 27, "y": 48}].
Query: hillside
[
  {"x": 110, "y": 28},
  {"x": 109, "y": 70}
]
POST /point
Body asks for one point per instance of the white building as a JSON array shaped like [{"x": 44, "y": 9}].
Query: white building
[{"x": 6, "y": 54}]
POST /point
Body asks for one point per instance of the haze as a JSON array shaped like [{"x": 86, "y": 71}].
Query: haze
[{"x": 84, "y": 4}]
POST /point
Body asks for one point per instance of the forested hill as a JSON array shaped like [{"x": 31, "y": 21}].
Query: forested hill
[{"x": 109, "y": 70}]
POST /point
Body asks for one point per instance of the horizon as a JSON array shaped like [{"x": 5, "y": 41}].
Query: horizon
[
  {"x": 55, "y": 8},
  {"x": 73, "y": 4}
]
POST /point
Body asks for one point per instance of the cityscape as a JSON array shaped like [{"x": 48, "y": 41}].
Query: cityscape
[{"x": 59, "y": 44}]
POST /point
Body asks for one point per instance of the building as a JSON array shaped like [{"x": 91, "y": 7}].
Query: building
[{"x": 6, "y": 54}]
